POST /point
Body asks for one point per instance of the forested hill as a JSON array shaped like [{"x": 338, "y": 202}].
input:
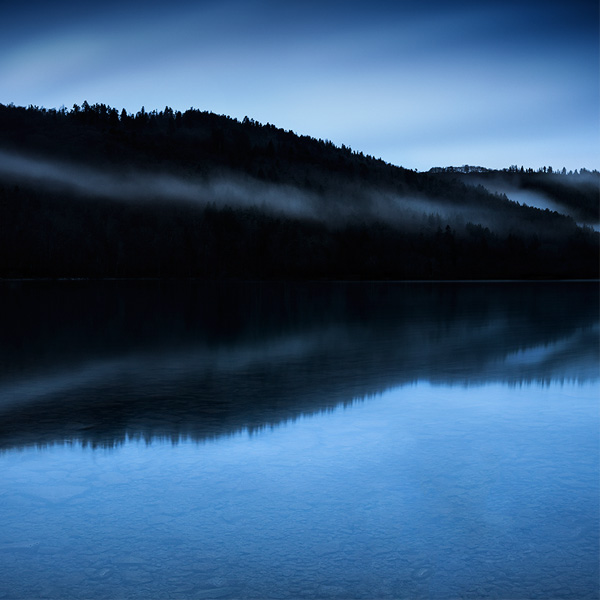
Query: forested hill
[
  {"x": 574, "y": 193},
  {"x": 96, "y": 192}
]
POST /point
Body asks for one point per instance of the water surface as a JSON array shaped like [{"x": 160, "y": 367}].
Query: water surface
[{"x": 299, "y": 441}]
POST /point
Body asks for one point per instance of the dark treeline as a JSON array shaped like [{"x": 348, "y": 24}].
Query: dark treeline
[
  {"x": 46, "y": 235},
  {"x": 191, "y": 142},
  {"x": 452, "y": 229}
]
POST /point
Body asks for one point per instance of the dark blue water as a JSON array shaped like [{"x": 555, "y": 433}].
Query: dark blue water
[{"x": 299, "y": 441}]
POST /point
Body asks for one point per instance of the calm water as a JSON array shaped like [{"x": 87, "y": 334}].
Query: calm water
[{"x": 299, "y": 441}]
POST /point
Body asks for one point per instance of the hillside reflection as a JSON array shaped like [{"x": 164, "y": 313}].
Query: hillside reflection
[{"x": 97, "y": 362}]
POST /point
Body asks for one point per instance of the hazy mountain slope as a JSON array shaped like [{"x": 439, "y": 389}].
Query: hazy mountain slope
[{"x": 96, "y": 193}]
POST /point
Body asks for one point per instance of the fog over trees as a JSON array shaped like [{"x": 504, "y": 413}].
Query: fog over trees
[{"x": 97, "y": 192}]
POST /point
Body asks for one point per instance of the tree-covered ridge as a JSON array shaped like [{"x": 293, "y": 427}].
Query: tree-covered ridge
[
  {"x": 361, "y": 218},
  {"x": 195, "y": 140},
  {"x": 576, "y": 192}
]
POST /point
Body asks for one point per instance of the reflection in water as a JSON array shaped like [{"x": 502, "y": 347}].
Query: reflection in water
[
  {"x": 470, "y": 469},
  {"x": 100, "y": 361}
]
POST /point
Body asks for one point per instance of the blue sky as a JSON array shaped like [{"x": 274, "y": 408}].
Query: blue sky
[{"x": 419, "y": 84}]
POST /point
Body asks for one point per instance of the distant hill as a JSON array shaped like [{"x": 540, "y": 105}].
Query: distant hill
[
  {"x": 96, "y": 192},
  {"x": 574, "y": 193}
]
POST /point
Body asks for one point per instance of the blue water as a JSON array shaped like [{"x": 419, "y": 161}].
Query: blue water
[{"x": 345, "y": 450}]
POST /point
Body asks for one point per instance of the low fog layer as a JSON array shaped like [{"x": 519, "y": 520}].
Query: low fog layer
[
  {"x": 526, "y": 197},
  {"x": 335, "y": 207},
  {"x": 130, "y": 185},
  {"x": 537, "y": 198}
]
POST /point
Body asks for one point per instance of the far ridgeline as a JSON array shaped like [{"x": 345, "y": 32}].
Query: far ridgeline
[{"x": 94, "y": 192}]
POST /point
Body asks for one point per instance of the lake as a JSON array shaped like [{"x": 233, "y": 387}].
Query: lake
[{"x": 281, "y": 440}]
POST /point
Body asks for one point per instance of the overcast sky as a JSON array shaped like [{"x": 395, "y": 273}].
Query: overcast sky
[{"x": 418, "y": 83}]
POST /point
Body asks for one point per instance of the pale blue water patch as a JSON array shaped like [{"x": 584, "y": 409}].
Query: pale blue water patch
[{"x": 423, "y": 491}]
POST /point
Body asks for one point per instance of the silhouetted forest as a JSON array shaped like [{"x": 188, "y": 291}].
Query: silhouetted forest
[{"x": 97, "y": 192}]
